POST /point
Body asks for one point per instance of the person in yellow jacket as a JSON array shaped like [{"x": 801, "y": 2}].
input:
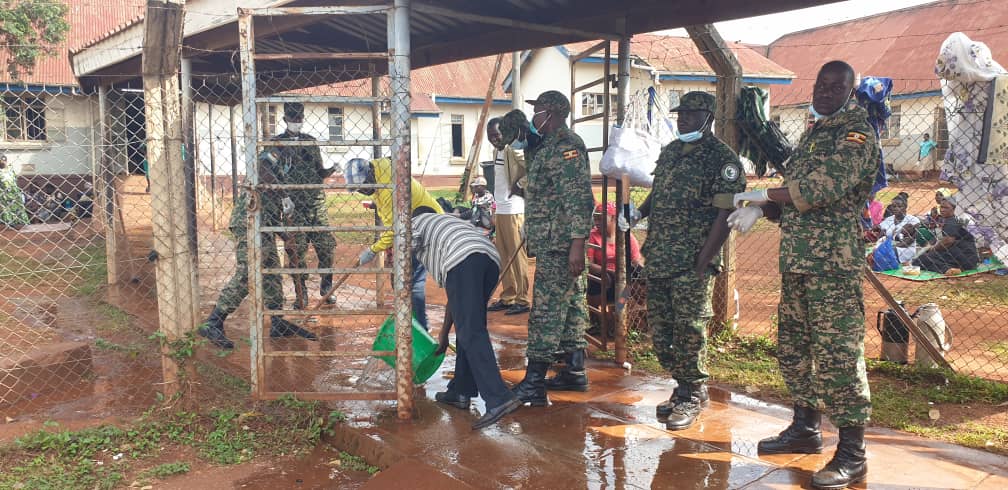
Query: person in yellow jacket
[{"x": 360, "y": 171}]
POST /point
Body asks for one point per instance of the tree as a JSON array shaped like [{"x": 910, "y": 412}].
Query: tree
[{"x": 30, "y": 29}]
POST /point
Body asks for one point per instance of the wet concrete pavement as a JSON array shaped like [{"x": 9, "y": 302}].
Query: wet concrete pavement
[{"x": 609, "y": 438}]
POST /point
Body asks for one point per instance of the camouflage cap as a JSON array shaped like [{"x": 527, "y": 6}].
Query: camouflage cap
[
  {"x": 510, "y": 125},
  {"x": 553, "y": 100},
  {"x": 696, "y": 101},
  {"x": 294, "y": 110}
]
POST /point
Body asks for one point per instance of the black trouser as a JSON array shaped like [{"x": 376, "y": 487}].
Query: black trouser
[{"x": 468, "y": 286}]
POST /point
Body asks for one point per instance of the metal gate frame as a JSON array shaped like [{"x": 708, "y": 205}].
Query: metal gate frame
[{"x": 399, "y": 72}]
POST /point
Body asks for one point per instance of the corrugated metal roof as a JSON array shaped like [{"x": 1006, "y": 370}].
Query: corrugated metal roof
[
  {"x": 677, "y": 54},
  {"x": 902, "y": 45},
  {"x": 89, "y": 20}
]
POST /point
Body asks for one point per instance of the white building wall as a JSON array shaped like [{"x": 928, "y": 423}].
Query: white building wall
[{"x": 69, "y": 145}]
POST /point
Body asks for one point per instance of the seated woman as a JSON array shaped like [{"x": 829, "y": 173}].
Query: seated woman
[
  {"x": 594, "y": 253},
  {"x": 953, "y": 248},
  {"x": 899, "y": 226}
]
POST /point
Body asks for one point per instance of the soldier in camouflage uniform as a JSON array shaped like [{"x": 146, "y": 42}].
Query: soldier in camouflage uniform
[
  {"x": 694, "y": 182},
  {"x": 303, "y": 165},
  {"x": 274, "y": 204},
  {"x": 558, "y": 219},
  {"x": 821, "y": 315}
]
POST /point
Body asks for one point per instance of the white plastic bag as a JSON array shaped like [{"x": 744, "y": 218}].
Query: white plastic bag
[{"x": 632, "y": 151}]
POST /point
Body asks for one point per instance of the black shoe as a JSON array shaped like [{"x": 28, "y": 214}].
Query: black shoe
[
  {"x": 454, "y": 399},
  {"x": 532, "y": 389},
  {"x": 802, "y": 436},
  {"x": 517, "y": 309},
  {"x": 573, "y": 376},
  {"x": 213, "y": 330},
  {"x": 494, "y": 414},
  {"x": 283, "y": 328},
  {"x": 848, "y": 465},
  {"x": 687, "y": 407},
  {"x": 498, "y": 306},
  {"x": 664, "y": 409}
]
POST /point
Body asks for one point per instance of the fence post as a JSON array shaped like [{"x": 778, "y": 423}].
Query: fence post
[
  {"x": 399, "y": 74},
  {"x": 622, "y": 198},
  {"x": 105, "y": 187},
  {"x": 729, "y": 87},
  {"x": 175, "y": 267}
]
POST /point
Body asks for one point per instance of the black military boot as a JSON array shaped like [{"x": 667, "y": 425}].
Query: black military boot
[
  {"x": 532, "y": 389},
  {"x": 687, "y": 406},
  {"x": 573, "y": 376},
  {"x": 848, "y": 465},
  {"x": 283, "y": 328},
  {"x": 663, "y": 409},
  {"x": 213, "y": 329},
  {"x": 802, "y": 436},
  {"x": 324, "y": 288}
]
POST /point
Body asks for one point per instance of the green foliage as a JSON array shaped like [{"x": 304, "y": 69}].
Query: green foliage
[
  {"x": 167, "y": 469},
  {"x": 31, "y": 29},
  {"x": 228, "y": 442},
  {"x": 356, "y": 463},
  {"x": 181, "y": 349}
]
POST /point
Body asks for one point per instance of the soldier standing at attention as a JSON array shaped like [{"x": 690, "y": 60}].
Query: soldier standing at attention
[
  {"x": 821, "y": 329},
  {"x": 694, "y": 182},
  {"x": 303, "y": 165},
  {"x": 558, "y": 219},
  {"x": 274, "y": 204}
]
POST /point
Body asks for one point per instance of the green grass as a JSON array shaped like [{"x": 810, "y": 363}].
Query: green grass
[
  {"x": 356, "y": 463},
  {"x": 52, "y": 458}
]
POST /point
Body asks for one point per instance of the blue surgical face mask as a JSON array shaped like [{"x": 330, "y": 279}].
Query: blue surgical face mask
[
  {"x": 519, "y": 145},
  {"x": 693, "y": 135},
  {"x": 532, "y": 128}
]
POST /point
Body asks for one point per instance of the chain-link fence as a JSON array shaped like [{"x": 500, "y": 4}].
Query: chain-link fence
[{"x": 945, "y": 231}]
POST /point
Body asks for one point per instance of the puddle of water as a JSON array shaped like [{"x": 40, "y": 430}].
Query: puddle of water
[{"x": 320, "y": 469}]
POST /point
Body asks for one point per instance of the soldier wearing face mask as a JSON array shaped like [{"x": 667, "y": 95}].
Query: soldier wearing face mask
[
  {"x": 694, "y": 182},
  {"x": 304, "y": 165}
]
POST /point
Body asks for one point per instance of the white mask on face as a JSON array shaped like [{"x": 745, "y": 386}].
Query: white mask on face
[{"x": 294, "y": 127}]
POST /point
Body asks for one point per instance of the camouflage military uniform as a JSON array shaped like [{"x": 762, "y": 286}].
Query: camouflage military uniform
[
  {"x": 821, "y": 313},
  {"x": 558, "y": 209},
  {"x": 302, "y": 165},
  {"x": 237, "y": 287},
  {"x": 692, "y": 183}
]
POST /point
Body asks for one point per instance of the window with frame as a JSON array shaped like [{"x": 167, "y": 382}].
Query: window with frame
[
  {"x": 23, "y": 119},
  {"x": 456, "y": 135},
  {"x": 269, "y": 122},
  {"x": 335, "y": 124},
  {"x": 892, "y": 127},
  {"x": 592, "y": 104}
]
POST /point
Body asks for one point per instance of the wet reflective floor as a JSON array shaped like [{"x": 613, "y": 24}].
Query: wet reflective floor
[{"x": 609, "y": 438}]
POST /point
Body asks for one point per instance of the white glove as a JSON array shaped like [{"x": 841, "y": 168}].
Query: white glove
[
  {"x": 288, "y": 205},
  {"x": 755, "y": 196},
  {"x": 366, "y": 256},
  {"x": 743, "y": 219},
  {"x": 625, "y": 225}
]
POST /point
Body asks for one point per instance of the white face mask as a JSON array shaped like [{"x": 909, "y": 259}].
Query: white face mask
[{"x": 294, "y": 127}]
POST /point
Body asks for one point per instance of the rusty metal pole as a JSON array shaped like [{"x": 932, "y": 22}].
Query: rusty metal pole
[
  {"x": 516, "y": 93},
  {"x": 622, "y": 199},
  {"x": 250, "y": 130},
  {"x": 399, "y": 74}
]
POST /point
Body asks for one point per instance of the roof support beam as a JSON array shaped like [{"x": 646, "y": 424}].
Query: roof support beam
[{"x": 507, "y": 22}]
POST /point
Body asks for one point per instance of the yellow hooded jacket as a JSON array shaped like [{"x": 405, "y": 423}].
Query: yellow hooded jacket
[{"x": 383, "y": 199}]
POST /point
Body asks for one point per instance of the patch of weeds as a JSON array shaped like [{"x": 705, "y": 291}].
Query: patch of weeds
[
  {"x": 166, "y": 469},
  {"x": 94, "y": 270},
  {"x": 181, "y": 349},
  {"x": 746, "y": 362},
  {"x": 228, "y": 442},
  {"x": 131, "y": 351},
  {"x": 356, "y": 463},
  {"x": 999, "y": 349},
  {"x": 113, "y": 319},
  {"x": 220, "y": 380}
]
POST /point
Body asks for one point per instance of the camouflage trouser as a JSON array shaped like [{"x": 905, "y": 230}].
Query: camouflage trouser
[
  {"x": 678, "y": 310},
  {"x": 322, "y": 241},
  {"x": 820, "y": 337},
  {"x": 237, "y": 288},
  {"x": 559, "y": 316}
]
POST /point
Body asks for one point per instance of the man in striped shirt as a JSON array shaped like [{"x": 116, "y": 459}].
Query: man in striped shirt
[{"x": 466, "y": 264}]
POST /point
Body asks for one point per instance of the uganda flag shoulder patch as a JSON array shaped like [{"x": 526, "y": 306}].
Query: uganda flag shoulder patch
[
  {"x": 570, "y": 154},
  {"x": 856, "y": 137}
]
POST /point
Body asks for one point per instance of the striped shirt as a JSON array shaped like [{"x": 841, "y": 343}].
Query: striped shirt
[{"x": 442, "y": 242}]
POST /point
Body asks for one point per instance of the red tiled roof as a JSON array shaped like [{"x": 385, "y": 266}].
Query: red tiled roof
[
  {"x": 90, "y": 20},
  {"x": 901, "y": 45},
  {"x": 466, "y": 78},
  {"x": 679, "y": 55}
]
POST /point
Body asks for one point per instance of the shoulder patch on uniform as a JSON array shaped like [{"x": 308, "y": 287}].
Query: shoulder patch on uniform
[
  {"x": 730, "y": 172},
  {"x": 856, "y": 137},
  {"x": 570, "y": 154}
]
